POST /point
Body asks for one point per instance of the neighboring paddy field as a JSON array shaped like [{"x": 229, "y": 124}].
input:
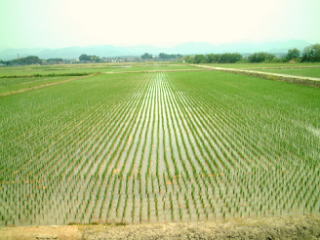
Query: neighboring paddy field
[
  {"x": 12, "y": 85},
  {"x": 298, "y": 69},
  {"x": 308, "y": 72},
  {"x": 266, "y": 65},
  {"x": 80, "y": 69},
  {"x": 157, "y": 147}
]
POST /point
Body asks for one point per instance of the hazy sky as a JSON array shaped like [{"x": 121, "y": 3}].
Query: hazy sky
[{"x": 61, "y": 23}]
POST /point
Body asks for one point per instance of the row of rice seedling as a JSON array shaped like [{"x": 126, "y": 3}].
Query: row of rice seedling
[{"x": 168, "y": 149}]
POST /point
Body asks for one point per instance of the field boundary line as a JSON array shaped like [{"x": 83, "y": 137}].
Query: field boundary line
[
  {"x": 309, "y": 81},
  {"x": 45, "y": 85}
]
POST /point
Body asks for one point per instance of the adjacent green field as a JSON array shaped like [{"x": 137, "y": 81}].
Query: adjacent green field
[
  {"x": 308, "y": 72},
  {"x": 157, "y": 147},
  {"x": 266, "y": 65},
  {"x": 19, "y": 79},
  {"x": 298, "y": 69},
  {"x": 11, "y": 85},
  {"x": 61, "y": 69}
]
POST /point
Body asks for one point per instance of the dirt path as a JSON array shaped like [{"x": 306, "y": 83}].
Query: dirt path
[
  {"x": 298, "y": 227},
  {"x": 310, "y": 81}
]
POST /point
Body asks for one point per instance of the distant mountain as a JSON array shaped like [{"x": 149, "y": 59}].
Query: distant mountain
[{"x": 185, "y": 48}]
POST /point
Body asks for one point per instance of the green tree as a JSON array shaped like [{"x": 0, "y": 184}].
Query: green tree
[
  {"x": 164, "y": 56},
  {"x": 200, "y": 58},
  {"x": 89, "y": 58},
  {"x": 54, "y": 60},
  {"x": 213, "y": 58},
  {"x": 230, "y": 58},
  {"x": 25, "y": 61},
  {"x": 261, "y": 57},
  {"x": 146, "y": 56},
  {"x": 311, "y": 53},
  {"x": 84, "y": 58},
  {"x": 292, "y": 54},
  {"x": 189, "y": 59}
]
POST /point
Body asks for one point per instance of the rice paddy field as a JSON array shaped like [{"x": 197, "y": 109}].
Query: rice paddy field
[
  {"x": 81, "y": 69},
  {"x": 308, "y": 72},
  {"x": 296, "y": 69},
  {"x": 158, "y": 146}
]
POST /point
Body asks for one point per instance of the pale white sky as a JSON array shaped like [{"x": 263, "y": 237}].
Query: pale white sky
[{"x": 62, "y": 23}]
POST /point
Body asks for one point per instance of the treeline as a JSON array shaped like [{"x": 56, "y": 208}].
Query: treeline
[
  {"x": 160, "y": 57},
  {"x": 310, "y": 54},
  {"x": 36, "y": 60},
  {"x": 33, "y": 60},
  {"x": 89, "y": 58},
  {"x": 214, "y": 58},
  {"x": 84, "y": 58},
  {"x": 23, "y": 61}
]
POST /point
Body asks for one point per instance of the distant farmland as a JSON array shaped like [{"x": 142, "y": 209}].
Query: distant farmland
[{"x": 155, "y": 146}]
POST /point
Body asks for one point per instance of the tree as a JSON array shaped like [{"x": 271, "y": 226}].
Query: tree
[
  {"x": 84, "y": 58},
  {"x": 25, "y": 61},
  {"x": 213, "y": 58},
  {"x": 292, "y": 54},
  {"x": 311, "y": 53},
  {"x": 95, "y": 58},
  {"x": 146, "y": 56},
  {"x": 54, "y": 60},
  {"x": 164, "y": 56},
  {"x": 261, "y": 57},
  {"x": 189, "y": 59},
  {"x": 230, "y": 58},
  {"x": 200, "y": 58},
  {"x": 89, "y": 58}
]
